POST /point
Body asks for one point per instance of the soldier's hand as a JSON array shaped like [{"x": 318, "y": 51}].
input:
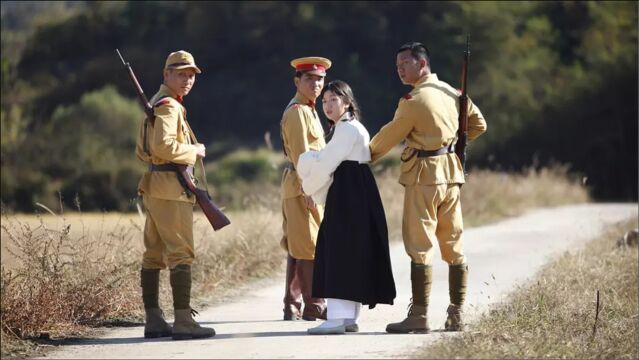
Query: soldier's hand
[
  {"x": 201, "y": 150},
  {"x": 310, "y": 204}
]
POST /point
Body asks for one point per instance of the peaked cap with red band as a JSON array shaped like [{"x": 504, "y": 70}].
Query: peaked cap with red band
[{"x": 312, "y": 65}]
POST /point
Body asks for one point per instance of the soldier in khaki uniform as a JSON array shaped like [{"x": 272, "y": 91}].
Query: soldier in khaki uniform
[
  {"x": 301, "y": 131},
  {"x": 168, "y": 232},
  {"x": 427, "y": 119}
]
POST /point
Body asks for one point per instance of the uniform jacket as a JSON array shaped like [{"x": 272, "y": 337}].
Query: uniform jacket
[
  {"x": 170, "y": 140},
  {"x": 427, "y": 118},
  {"x": 301, "y": 131}
]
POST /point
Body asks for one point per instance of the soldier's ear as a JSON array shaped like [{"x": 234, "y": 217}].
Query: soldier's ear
[
  {"x": 422, "y": 63},
  {"x": 296, "y": 81}
]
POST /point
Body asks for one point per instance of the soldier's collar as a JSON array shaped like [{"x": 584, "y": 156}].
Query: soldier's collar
[
  {"x": 166, "y": 90},
  {"x": 426, "y": 78},
  {"x": 301, "y": 99}
]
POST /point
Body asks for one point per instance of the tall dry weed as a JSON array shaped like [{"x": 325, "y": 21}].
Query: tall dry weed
[{"x": 58, "y": 282}]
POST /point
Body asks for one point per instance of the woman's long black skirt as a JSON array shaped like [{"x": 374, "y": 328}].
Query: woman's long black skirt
[{"x": 352, "y": 261}]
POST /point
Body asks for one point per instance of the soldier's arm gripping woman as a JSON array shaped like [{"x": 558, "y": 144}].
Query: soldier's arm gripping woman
[
  {"x": 301, "y": 131},
  {"x": 352, "y": 261},
  {"x": 431, "y": 173},
  {"x": 168, "y": 231}
]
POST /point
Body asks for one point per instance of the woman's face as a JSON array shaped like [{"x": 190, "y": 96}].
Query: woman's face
[{"x": 334, "y": 107}]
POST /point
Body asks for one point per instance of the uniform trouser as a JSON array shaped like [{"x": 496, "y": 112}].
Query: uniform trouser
[
  {"x": 168, "y": 233},
  {"x": 300, "y": 226},
  {"x": 433, "y": 213}
]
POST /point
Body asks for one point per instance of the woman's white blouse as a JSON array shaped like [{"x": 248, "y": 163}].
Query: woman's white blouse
[{"x": 315, "y": 168}]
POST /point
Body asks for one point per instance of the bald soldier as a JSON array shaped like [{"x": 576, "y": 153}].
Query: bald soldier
[
  {"x": 301, "y": 131},
  {"x": 431, "y": 173},
  {"x": 168, "y": 232}
]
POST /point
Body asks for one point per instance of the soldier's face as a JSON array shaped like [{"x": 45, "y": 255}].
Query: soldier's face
[
  {"x": 179, "y": 80},
  {"x": 409, "y": 68},
  {"x": 334, "y": 106},
  {"x": 310, "y": 85}
]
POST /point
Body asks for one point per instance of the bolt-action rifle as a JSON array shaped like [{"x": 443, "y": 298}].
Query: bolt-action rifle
[
  {"x": 462, "y": 131},
  {"x": 213, "y": 214}
]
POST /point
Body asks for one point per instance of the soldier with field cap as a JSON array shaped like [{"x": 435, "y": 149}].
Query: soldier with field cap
[
  {"x": 432, "y": 174},
  {"x": 168, "y": 232},
  {"x": 301, "y": 131}
]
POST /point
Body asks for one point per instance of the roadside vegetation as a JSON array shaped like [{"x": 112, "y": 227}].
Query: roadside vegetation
[
  {"x": 65, "y": 274},
  {"x": 581, "y": 306}
]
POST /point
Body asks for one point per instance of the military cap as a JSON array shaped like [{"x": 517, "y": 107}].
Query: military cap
[
  {"x": 181, "y": 60},
  {"x": 312, "y": 65}
]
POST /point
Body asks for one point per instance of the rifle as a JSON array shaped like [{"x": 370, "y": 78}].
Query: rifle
[
  {"x": 462, "y": 131},
  {"x": 213, "y": 214}
]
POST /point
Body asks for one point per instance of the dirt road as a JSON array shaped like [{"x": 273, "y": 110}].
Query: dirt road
[{"x": 500, "y": 256}]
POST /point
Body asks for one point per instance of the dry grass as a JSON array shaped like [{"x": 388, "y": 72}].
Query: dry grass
[
  {"x": 63, "y": 274},
  {"x": 555, "y": 316},
  {"x": 490, "y": 196}
]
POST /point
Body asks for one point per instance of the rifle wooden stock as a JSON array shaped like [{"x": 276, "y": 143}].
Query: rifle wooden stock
[
  {"x": 214, "y": 215},
  {"x": 462, "y": 131}
]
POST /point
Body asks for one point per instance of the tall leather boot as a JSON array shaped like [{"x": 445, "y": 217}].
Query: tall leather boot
[
  {"x": 154, "y": 325},
  {"x": 457, "y": 283},
  {"x": 314, "y": 308},
  {"x": 421, "y": 277},
  {"x": 292, "y": 292},
  {"x": 184, "y": 327}
]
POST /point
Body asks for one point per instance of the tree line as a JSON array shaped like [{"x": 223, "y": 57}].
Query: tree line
[{"x": 556, "y": 81}]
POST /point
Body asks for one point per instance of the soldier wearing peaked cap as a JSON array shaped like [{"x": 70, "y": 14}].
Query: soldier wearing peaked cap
[
  {"x": 168, "y": 232},
  {"x": 427, "y": 118},
  {"x": 301, "y": 131}
]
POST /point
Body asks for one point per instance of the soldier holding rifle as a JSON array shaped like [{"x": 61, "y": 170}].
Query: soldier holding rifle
[
  {"x": 166, "y": 142},
  {"x": 432, "y": 174}
]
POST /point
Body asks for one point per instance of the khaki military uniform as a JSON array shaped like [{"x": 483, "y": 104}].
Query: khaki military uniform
[
  {"x": 427, "y": 118},
  {"x": 168, "y": 232},
  {"x": 301, "y": 132}
]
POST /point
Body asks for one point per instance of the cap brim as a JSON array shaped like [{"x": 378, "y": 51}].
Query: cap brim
[
  {"x": 197, "y": 70},
  {"x": 316, "y": 72}
]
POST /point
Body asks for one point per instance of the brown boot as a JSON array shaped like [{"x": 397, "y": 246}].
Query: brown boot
[
  {"x": 314, "y": 308},
  {"x": 292, "y": 292},
  {"x": 457, "y": 283},
  {"x": 154, "y": 325},
  {"x": 454, "y": 321},
  {"x": 416, "y": 321},
  {"x": 184, "y": 327}
]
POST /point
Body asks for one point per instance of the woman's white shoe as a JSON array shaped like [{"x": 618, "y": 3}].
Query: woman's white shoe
[{"x": 332, "y": 326}]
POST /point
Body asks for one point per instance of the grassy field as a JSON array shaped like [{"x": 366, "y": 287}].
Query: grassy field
[
  {"x": 556, "y": 315},
  {"x": 64, "y": 274}
]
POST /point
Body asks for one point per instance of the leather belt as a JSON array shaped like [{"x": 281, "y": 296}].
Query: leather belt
[
  {"x": 167, "y": 167},
  {"x": 428, "y": 153}
]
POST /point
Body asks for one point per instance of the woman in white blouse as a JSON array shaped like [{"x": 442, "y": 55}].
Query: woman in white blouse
[{"x": 352, "y": 262}]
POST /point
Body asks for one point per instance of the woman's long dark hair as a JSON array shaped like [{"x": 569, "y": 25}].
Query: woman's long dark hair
[{"x": 341, "y": 89}]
